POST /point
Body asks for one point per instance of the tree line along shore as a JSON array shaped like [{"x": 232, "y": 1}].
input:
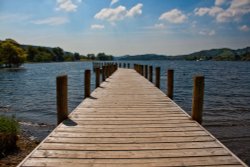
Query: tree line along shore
[{"x": 13, "y": 54}]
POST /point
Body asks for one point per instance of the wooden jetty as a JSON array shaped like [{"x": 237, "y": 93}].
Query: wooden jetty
[{"x": 129, "y": 122}]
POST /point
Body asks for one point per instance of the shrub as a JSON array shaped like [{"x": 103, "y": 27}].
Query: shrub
[{"x": 9, "y": 128}]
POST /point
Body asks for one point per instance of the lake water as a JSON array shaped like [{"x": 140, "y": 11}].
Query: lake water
[{"x": 30, "y": 94}]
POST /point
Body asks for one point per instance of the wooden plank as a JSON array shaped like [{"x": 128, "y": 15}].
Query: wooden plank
[
  {"x": 106, "y": 122},
  {"x": 130, "y": 154},
  {"x": 166, "y": 125},
  {"x": 82, "y": 115},
  {"x": 128, "y": 140},
  {"x": 122, "y": 130},
  {"x": 180, "y": 161},
  {"x": 136, "y": 146},
  {"x": 77, "y": 117},
  {"x": 131, "y": 135}
]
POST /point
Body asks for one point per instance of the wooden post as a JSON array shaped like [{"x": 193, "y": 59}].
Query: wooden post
[
  {"x": 103, "y": 73},
  {"x": 135, "y": 68},
  {"x": 142, "y": 70},
  {"x": 170, "y": 83},
  {"x": 62, "y": 98},
  {"x": 157, "y": 76},
  {"x": 97, "y": 77},
  {"x": 150, "y": 73},
  {"x": 87, "y": 84},
  {"x": 106, "y": 71},
  {"x": 146, "y": 71},
  {"x": 109, "y": 70},
  {"x": 198, "y": 95}
]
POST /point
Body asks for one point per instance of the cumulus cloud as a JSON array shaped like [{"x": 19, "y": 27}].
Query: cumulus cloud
[
  {"x": 113, "y": 2},
  {"x": 210, "y": 11},
  {"x": 112, "y": 15},
  {"x": 244, "y": 28},
  {"x": 97, "y": 26},
  {"x": 207, "y": 32},
  {"x": 136, "y": 10},
  {"x": 53, "y": 21},
  {"x": 219, "y": 2},
  {"x": 174, "y": 16},
  {"x": 119, "y": 13},
  {"x": 67, "y": 5},
  {"x": 234, "y": 12}
]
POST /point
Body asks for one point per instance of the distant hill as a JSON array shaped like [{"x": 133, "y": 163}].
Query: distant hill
[
  {"x": 220, "y": 54},
  {"x": 213, "y": 54}
]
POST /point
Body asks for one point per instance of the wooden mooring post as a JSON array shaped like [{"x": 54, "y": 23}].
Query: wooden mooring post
[
  {"x": 62, "y": 98},
  {"x": 151, "y": 73},
  {"x": 97, "y": 77},
  {"x": 157, "y": 76},
  {"x": 170, "y": 82},
  {"x": 146, "y": 71},
  {"x": 198, "y": 95},
  {"x": 87, "y": 77},
  {"x": 103, "y": 73},
  {"x": 142, "y": 70}
]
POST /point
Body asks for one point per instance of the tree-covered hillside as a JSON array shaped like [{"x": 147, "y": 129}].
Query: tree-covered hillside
[
  {"x": 223, "y": 54},
  {"x": 13, "y": 54}
]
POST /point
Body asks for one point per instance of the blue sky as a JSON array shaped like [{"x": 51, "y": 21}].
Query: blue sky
[{"x": 120, "y": 27}]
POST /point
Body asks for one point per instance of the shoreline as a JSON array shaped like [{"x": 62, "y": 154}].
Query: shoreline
[
  {"x": 28, "y": 139},
  {"x": 24, "y": 146}
]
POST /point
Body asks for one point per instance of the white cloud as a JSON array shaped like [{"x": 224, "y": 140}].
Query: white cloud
[
  {"x": 119, "y": 13},
  {"x": 174, "y": 16},
  {"x": 97, "y": 26},
  {"x": 210, "y": 11},
  {"x": 67, "y": 5},
  {"x": 236, "y": 10},
  {"x": 219, "y": 2},
  {"x": 201, "y": 11},
  {"x": 244, "y": 28},
  {"x": 112, "y": 15},
  {"x": 136, "y": 10},
  {"x": 53, "y": 21},
  {"x": 158, "y": 26},
  {"x": 207, "y": 32},
  {"x": 113, "y": 2}
]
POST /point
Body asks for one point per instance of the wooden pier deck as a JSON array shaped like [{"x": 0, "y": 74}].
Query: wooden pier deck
[{"x": 129, "y": 122}]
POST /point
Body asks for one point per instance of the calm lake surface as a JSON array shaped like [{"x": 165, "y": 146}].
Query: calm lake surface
[{"x": 30, "y": 94}]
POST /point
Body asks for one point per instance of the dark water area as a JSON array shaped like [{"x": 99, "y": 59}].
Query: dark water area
[{"x": 30, "y": 95}]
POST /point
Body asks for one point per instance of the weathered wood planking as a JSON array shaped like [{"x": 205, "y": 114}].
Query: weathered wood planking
[{"x": 129, "y": 122}]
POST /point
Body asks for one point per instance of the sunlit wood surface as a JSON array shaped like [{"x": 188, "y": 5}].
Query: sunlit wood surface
[{"x": 129, "y": 122}]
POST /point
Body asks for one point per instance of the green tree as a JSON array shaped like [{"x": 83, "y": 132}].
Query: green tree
[
  {"x": 76, "y": 56},
  {"x": 11, "y": 55},
  {"x": 59, "y": 53},
  {"x": 31, "y": 53},
  {"x": 103, "y": 56},
  {"x": 91, "y": 56}
]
